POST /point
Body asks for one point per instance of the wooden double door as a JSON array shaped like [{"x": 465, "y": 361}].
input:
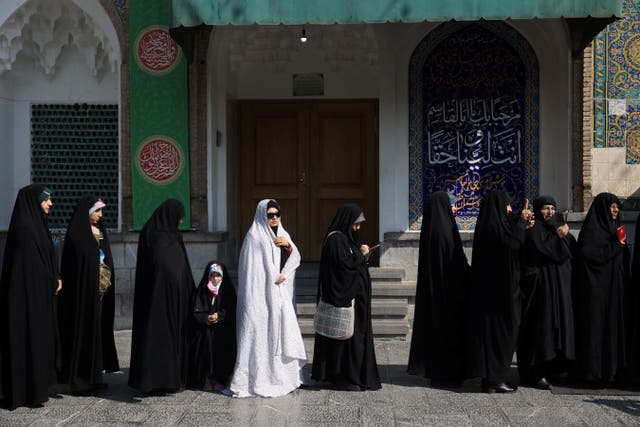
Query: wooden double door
[{"x": 312, "y": 157}]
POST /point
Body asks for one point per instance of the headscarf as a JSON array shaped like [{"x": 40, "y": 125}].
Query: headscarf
[
  {"x": 554, "y": 221},
  {"x": 98, "y": 204},
  {"x": 599, "y": 228},
  {"x": 493, "y": 218},
  {"x": 163, "y": 224},
  {"x": 343, "y": 221},
  {"x": 44, "y": 195}
]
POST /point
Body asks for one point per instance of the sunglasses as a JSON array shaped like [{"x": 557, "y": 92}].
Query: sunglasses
[{"x": 272, "y": 215}]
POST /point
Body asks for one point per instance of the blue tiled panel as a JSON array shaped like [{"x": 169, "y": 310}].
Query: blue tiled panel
[
  {"x": 617, "y": 76},
  {"x": 448, "y": 106}
]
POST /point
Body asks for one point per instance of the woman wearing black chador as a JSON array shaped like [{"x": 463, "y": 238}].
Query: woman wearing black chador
[
  {"x": 599, "y": 294},
  {"x": 437, "y": 343},
  {"x": 495, "y": 293},
  {"x": 86, "y": 306},
  {"x": 164, "y": 284},
  {"x": 30, "y": 279},
  {"x": 547, "y": 338},
  {"x": 344, "y": 275},
  {"x": 213, "y": 343}
]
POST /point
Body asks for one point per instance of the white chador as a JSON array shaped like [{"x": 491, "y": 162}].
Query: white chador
[{"x": 271, "y": 352}]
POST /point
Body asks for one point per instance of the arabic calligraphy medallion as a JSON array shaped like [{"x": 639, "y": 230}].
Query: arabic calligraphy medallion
[
  {"x": 155, "y": 51},
  {"x": 160, "y": 160}
]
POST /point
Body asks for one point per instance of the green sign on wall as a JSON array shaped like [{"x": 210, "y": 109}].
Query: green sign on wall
[{"x": 159, "y": 112}]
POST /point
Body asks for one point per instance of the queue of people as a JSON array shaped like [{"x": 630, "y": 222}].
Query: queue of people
[{"x": 564, "y": 305}]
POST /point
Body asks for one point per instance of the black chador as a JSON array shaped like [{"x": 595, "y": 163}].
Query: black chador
[
  {"x": 86, "y": 315},
  {"x": 344, "y": 275},
  {"x": 599, "y": 294},
  {"x": 437, "y": 343},
  {"x": 632, "y": 309},
  {"x": 28, "y": 326},
  {"x": 547, "y": 339},
  {"x": 495, "y": 293},
  {"x": 213, "y": 342},
  {"x": 161, "y": 303}
]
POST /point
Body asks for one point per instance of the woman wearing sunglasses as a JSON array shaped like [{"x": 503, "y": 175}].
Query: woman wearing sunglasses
[{"x": 271, "y": 352}]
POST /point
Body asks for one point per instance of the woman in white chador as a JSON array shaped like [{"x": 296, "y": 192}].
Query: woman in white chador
[{"x": 271, "y": 352}]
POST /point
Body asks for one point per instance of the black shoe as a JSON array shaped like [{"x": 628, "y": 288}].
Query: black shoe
[
  {"x": 543, "y": 384},
  {"x": 498, "y": 388}
]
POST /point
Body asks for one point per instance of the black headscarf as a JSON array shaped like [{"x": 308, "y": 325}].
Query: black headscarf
[
  {"x": 162, "y": 227},
  {"x": 598, "y": 231},
  {"x": 343, "y": 221}
]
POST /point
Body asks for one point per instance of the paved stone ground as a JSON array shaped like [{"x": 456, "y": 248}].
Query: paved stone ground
[{"x": 403, "y": 401}]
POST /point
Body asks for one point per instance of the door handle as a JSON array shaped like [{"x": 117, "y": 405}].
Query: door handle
[{"x": 303, "y": 177}]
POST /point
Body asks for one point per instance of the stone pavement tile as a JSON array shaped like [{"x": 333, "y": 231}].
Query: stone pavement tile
[
  {"x": 428, "y": 414},
  {"x": 377, "y": 416},
  {"x": 360, "y": 398},
  {"x": 11, "y": 418},
  {"x": 221, "y": 418},
  {"x": 623, "y": 410},
  {"x": 177, "y": 398},
  {"x": 213, "y": 400},
  {"x": 542, "y": 416},
  {"x": 166, "y": 415},
  {"x": 329, "y": 414},
  {"x": 406, "y": 395},
  {"x": 121, "y": 413},
  {"x": 487, "y": 416},
  {"x": 594, "y": 414}
]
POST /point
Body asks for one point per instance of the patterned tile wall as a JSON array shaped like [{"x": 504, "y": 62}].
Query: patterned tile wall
[{"x": 616, "y": 90}]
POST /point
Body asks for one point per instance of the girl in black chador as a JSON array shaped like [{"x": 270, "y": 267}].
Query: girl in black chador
[
  {"x": 213, "y": 344},
  {"x": 437, "y": 342},
  {"x": 599, "y": 294}
]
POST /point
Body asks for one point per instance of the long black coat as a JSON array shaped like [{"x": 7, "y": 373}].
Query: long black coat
[
  {"x": 344, "y": 275},
  {"x": 213, "y": 346},
  {"x": 495, "y": 293},
  {"x": 599, "y": 294},
  {"x": 159, "y": 352},
  {"x": 547, "y": 330},
  {"x": 28, "y": 326},
  {"x": 86, "y": 328},
  {"x": 437, "y": 344}
]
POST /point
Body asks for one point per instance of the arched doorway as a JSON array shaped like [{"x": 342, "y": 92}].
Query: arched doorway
[{"x": 473, "y": 117}]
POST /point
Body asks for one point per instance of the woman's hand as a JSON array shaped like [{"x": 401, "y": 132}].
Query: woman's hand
[
  {"x": 213, "y": 318},
  {"x": 527, "y": 214},
  {"x": 562, "y": 231},
  {"x": 365, "y": 250},
  {"x": 59, "y": 287},
  {"x": 281, "y": 279},
  {"x": 283, "y": 243}
]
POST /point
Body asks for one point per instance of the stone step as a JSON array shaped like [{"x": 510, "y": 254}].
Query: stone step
[
  {"x": 382, "y": 328},
  {"x": 378, "y": 289},
  {"x": 379, "y": 308}
]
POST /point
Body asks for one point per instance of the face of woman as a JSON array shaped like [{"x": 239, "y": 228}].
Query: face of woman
[
  {"x": 95, "y": 216},
  {"x": 215, "y": 278},
  {"x": 509, "y": 209},
  {"x": 615, "y": 210},
  {"x": 355, "y": 227},
  {"x": 46, "y": 205},
  {"x": 547, "y": 211},
  {"x": 273, "y": 217}
]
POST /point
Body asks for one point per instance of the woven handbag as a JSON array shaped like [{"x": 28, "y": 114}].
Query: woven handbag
[{"x": 334, "y": 322}]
